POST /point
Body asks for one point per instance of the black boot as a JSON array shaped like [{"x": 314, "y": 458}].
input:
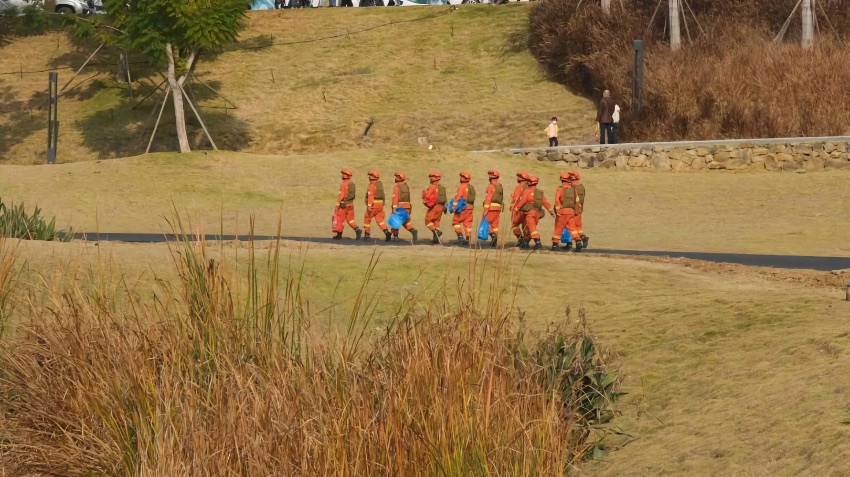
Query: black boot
[
  {"x": 579, "y": 245},
  {"x": 537, "y": 244},
  {"x": 388, "y": 235},
  {"x": 460, "y": 238},
  {"x": 520, "y": 242},
  {"x": 366, "y": 236},
  {"x": 494, "y": 240},
  {"x": 358, "y": 232},
  {"x": 568, "y": 246},
  {"x": 554, "y": 247},
  {"x": 415, "y": 235},
  {"x": 338, "y": 236},
  {"x": 584, "y": 241},
  {"x": 436, "y": 238}
]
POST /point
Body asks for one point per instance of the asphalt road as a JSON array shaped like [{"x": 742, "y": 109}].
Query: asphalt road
[{"x": 824, "y": 264}]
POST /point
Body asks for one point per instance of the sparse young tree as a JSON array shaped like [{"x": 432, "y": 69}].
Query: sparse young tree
[{"x": 171, "y": 33}]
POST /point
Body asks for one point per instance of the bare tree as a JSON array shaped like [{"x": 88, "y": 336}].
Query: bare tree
[
  {"x": 675, "y": 32},
  {"x": 808, "y": 24}
]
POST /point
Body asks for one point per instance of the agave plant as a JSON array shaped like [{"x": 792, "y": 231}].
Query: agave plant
[{"x": 15, "y": 222}]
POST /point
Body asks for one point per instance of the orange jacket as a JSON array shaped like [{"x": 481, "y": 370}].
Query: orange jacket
[
  {"x": 528, "y": 198},
  {"x": 559, "y": 194},
  {"x": 517, "y": 195},
  {"x": 488, "y": 196},
  {"x": 462, "y": 192},
  {"x": 433, "y": 190},
  {"x": 343, "y": 192},
  {"x": 371, "y": 189},
  {"x": 397, "y": 196}
]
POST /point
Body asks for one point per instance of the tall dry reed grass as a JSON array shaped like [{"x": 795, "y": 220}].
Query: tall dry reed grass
[
  {"x": 729, "y": 81},
  {"x": 214, "y": 375}
]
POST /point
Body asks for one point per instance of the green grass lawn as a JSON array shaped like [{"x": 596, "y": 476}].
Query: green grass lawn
[
  {"x": 464, "y": 79},
  {"x": 711, "y": 212}
]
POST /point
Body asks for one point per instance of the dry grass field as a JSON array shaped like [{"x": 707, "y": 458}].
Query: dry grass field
[
  {"x": 708, "y": 212},
  {"x": 725, "y": 374},
  {"x": 455, "y": 78}
]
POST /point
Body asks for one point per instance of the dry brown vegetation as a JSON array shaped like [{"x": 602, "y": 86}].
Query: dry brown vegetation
[
  {"x": 730, "y": 81},
  {"x": 221, "y": 376}
]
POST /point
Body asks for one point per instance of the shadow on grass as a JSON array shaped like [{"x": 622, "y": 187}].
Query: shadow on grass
[
  {"x": 126, "y": 129},
  {"x": 21, "y": 118}
]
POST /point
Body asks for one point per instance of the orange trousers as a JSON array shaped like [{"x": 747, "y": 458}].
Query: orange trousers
[
  {"x": 376, "y": 212},
  {"x": 579, "y": 225},
  {"x": 518, "y": 222},
  {"x": 433, "y": 216},
  {"x": 493, "y": 215},
  {"x": 462, "y": 221},
  {"x": 566, "y": 218},
  {"x": 344, "y": 215},
  {"x": 532, "y": 218},
  {"x": 408, "y": 225}
]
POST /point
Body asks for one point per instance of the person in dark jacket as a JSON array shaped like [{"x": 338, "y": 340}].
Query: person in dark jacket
[{"x": 605, "y": 118}]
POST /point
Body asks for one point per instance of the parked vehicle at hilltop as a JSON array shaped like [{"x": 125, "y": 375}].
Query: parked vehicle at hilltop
[{"x": 79, "y": 7}]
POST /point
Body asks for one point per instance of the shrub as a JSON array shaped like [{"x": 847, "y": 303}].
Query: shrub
[
  {"x": 16, "y": 222},
  {"x": 729, "y": 82},
  {"x": 207, "y": 380}
]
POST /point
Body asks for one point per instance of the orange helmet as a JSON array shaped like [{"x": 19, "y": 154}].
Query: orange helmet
[
  {"x": 493, "y": 173},
  {"x": 465, "y": 177},
  {"x": 567, "y": 176},
  {"x": 346, "y": 173},
  {"x": 522, "y": 176},
  {"x": 436, "y": 175},
  {"x": 375, "y": 174},
  {"x": 576, "y": 175},
  {"x": 400, "y": 177},
  {"x": 533, "y": 180}
]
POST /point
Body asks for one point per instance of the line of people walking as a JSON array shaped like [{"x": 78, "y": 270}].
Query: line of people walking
[{"x": 527, "y": 206}]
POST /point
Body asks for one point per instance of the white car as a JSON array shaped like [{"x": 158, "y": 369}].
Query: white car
[{"x": 80, "y": 7}]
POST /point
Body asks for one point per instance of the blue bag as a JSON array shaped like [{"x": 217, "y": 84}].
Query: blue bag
[
  {"x": 461, "y": 204},
  {"x": 484, "y": 230},
  {"x": 566, "y": 236},
  {"x": 398, "y": 218}
]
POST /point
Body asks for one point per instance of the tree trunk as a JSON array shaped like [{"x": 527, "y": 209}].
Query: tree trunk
[
  {"x": 808, "y": 24},
  {"x": 675, "y": 33},
  {"x": 122, "y": 68},
  {"x": 177, "y": 96},
  {"x": 606, "y": 6}
]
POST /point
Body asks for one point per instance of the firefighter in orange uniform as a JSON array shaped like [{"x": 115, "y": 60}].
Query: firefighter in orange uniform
[
  {"x": 576, "y": 182},
  {"x": 532, "y": 203},
  {"x": 566, "y": 201},
  {"x": 493, "y": 202},
  {"x": 345, "y": 207},
  {"x": 401, "y": 199},
  {"x": 462, "y": 220},
  {"x": 517, "y": 216},
  {"x": 375, "y": 206},
  {"x": 434, "y": 198}
]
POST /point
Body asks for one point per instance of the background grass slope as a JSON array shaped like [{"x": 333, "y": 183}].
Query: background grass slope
[{"x": 455, "y": 76}]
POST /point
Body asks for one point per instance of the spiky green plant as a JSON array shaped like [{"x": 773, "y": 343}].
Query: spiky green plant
[{"x": 16, "y": 222}]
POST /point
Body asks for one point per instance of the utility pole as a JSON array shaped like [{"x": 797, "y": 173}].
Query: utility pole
[
  {"x": 675, "y": 36},
  {"x": 808, "y": 24},
  {"x": 606, "y": 6}
]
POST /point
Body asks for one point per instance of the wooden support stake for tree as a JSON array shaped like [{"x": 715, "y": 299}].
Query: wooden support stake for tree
[
  {"x": 784, "y": 28},
  {"x": 156, "y": 125},
  {"x": 79, "y": 70},
  {"x": 195, "y": 78},
  {"x": 198, "y": 115},
  {"x": 156, "y": 88}
]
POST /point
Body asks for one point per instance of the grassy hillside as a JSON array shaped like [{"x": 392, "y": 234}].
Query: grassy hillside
[
  {"x": 738, "y": 213},
  {"x": 452, "y": 75}
]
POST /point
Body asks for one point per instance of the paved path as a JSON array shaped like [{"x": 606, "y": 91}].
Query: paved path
[{"x": 824, "y": 264}]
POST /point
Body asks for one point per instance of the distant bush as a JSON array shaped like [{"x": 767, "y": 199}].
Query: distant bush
[
  {"x": 16, "y": 222},
  {"x": 729, "y": 82},
  {"x": 204, "y": 380}
]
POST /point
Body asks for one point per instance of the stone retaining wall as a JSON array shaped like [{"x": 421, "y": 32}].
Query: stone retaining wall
[{"x": 792, "y": 157}]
